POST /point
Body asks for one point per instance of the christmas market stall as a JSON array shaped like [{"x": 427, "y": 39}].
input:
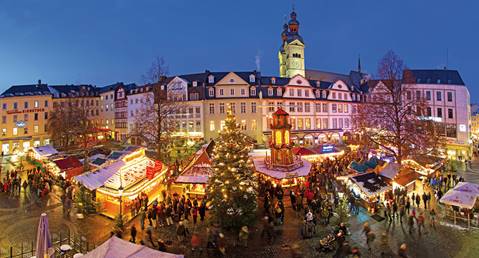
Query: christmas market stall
[
  {"x": 194, "y": 177},
  {"x": 370, "y": 188},
  {"x": 425, "y": 165},
  {"x": 282, "y": 166},
  {"x": 67, "y": 167},
  {"x": 461, "y": 200},
  {"x": 319, "y": 153},
  {"x": 42, "y": 152},
  {"x": 402, "y": 177},
  {"x": 372, "y": 165},
  {"x": 117, "y": 183}
]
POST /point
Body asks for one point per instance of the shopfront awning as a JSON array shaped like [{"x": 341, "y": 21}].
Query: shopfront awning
[{"x": 96, "y": 179}]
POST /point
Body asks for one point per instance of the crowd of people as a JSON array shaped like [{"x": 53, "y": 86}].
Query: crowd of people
[{"x": 36, "y": 185}]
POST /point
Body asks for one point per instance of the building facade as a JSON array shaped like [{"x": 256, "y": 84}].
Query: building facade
[{"x": 24, "y": 113}]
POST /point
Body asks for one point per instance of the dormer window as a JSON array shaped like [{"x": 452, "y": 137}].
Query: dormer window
[
  {"x": 252, "y": 78},
  {"x": 438, "y": 81},
  {"x": 273, "y": 80},
  {"x": 195, "y": 84},
  {"x": 324, "y": 94},
  {"x": 306, "y": 93},
  {"x": 253, "y": 91},
  {"x": 279, "y": 91},
  {"x": 211, "y": 92},
  {"x": 211, "y": 79},
  {"x": 162, "y": 87},
  {"x": 318, "y": 93},
  {"x": 270, "y": 91}
]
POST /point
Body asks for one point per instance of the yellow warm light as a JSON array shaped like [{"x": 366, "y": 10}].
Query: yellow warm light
[
  {"x": 286, "y": 137},
  {"x": 279, "y": 136}
]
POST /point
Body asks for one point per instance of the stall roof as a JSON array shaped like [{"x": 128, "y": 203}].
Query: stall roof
[
  {"x": 68, "y": 163},
  {"x": 261, "y": 167},
  {"x": 371, "y": 183},
  {"x": 463, "y": 195},
  {"x": 391, "y": 170},
  {"x": 198, "y": 170},
  {"x": 406, "y": 176},
  {"x": 96, "y": 179},
  {"x": 45, "y": 151},
  {"x": 119, "y": 248}
]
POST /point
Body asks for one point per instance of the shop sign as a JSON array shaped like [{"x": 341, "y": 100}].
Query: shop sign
[
  {"x": 327, "y": 148},
  {"x": 31, "y": 110},
  {"x": 20, "y": 124},
  {"x": 462, "y": 128}
]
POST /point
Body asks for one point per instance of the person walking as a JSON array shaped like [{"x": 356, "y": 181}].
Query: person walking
[
  {"x": 142, "y": 218},
  {"x": 369, "y": 240},
  {"x": 243, "y": 236},
  {"x": 408, "y": 205},
  {"x": 402, "y": 251},
  {"x": 181, "y": 232},
  {"x": 420, "y": 222},
  {"x": 194, "y": 214},
  {"x": 133, "y": 234},
  {"x": 402, "y": 211},
  {"x": 202, "y": 210},
  {"x": 410, "y": 223},
  {"x": 149, "y": 233}
]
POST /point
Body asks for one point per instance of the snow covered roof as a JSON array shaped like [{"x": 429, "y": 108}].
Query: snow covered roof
[
  {"x": 391, "y": 170},
  {"x": 119, "y": 248},
  {"x": 198, "y": 170},
  {"x": 371, "y": 183},
  {"x": 45, "y": 151},
  {"x": 464, "y": 195},
  {"x": 96, "y": 179}
]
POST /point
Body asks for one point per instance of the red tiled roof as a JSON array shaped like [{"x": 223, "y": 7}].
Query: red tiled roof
[{"x": 68, "y": 163}]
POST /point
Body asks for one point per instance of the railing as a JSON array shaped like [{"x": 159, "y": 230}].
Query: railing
[{"x": 27, "y": 249}]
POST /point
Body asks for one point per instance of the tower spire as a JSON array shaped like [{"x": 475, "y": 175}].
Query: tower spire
[{"x": 359, "y": 63}]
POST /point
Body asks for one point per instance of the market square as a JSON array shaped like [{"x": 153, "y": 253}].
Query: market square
[{"x": 373, "y": 157}]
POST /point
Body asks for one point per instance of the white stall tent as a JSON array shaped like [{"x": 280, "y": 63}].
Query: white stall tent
[
  {"x": 119, "y": 248},
  {"x": 463, "y": 195}
]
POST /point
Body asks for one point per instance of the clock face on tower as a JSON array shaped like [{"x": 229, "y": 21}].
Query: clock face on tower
[{"x": 295, "y": 64}]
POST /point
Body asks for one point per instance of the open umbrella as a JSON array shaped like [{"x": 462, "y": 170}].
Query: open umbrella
[{"x": 44, "y": 242}]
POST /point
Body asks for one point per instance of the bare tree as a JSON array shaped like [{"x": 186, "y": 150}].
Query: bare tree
[
  {"x": 70, "y": 126},
  {"x": 393, "y": 117},
  {"x": 156, "y": 121}
]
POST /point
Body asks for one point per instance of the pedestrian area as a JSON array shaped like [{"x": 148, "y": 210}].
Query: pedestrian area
[{"x": 444, "y": 241}]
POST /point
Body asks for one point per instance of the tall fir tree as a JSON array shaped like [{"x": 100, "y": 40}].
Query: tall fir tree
[{"x": 232, "y": 186}]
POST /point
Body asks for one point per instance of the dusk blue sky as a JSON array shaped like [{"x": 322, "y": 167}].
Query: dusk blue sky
[{"x": 102, "y": 42}]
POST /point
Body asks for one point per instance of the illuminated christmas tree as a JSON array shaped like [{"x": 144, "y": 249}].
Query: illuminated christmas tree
[{"x": 232, "y": 187}]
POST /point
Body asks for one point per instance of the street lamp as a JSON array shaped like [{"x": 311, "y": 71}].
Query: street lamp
[{"x": 120, "y": 191}]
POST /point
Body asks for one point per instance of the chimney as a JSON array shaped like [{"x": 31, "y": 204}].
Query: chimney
[{"x": 39, "y": 83}]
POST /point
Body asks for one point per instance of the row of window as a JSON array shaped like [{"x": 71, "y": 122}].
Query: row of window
[
  {"x": 25, "y": 117},
  {"x": 233, "y": 107},
  {"x": 450, "y": 112},
  {"x": 25, "y": 130},
  {"x": 243, "y": 125},
  {"x": 428, "y": 95},
  {"x": 26, "y": 104},
  {"x": 320, "y": 123}
]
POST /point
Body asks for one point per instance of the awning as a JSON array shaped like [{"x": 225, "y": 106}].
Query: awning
[
  {"x": 45, "y": 151},
  {"x": 96, "y": 179},
  {"x": 119, "y": 248}
]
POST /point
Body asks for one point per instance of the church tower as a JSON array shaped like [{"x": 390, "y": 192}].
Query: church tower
[{"x": 291, "y": 53}]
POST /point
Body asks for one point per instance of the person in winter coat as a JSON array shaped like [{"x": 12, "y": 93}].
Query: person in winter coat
[
  {"x": 181, "y": 232},
  {"x": 243, "y": 236},
  {"x": 133, "y": 234}
]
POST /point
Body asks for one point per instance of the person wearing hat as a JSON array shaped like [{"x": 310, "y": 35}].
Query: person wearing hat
[{"x": 243, "y": 236}]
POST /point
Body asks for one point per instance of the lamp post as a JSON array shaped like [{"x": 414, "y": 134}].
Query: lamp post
[{"x": 120, "y": 191}]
